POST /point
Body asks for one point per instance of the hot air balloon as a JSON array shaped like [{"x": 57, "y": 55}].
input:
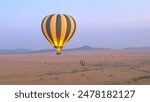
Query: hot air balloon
[{"x": 58, "y": 30}]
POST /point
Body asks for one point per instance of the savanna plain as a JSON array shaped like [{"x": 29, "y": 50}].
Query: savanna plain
[{"x": 116, "y": 67}]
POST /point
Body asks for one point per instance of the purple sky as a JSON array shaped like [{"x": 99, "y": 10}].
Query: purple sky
[{"x": 100, "y": 23}]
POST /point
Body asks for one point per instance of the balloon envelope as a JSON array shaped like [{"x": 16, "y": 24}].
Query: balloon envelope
[{"x": 58, "y": 30}]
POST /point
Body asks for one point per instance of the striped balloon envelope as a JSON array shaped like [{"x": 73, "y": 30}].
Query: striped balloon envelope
[{"x": 58, "y": 30}]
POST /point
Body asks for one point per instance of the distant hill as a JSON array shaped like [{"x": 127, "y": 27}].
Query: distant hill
[
  {"x": 83, "y": 48},
  {"x": 87, "y": 48},
  {"x": 15, "y": 51},
  {"x": 43, "y": 51},
  {"x": 138, "y": 48},
  {"x": 22, "y": 51}
]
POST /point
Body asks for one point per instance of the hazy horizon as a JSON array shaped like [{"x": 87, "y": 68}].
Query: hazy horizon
[{"x": 100, "y": 23}]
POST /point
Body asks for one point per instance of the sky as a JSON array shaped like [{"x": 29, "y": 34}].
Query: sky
[{"x": 100, "y": 23}]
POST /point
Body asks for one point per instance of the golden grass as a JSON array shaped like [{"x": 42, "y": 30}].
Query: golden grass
[{"x": 80, "y": 67}]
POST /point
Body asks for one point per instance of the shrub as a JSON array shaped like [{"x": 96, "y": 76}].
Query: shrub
[{"x": 82, "y": 63}]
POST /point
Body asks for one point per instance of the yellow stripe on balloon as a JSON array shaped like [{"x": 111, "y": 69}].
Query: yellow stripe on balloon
[
  {"x": 53, "y": 29},
  {"x": 45, "y": 31},
  {"x": 63, "y": 29},
  {"x": 71, "y": 31}
]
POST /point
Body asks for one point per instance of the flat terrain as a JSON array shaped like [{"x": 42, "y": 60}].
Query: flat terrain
[{"x": 100, "y": 68}]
